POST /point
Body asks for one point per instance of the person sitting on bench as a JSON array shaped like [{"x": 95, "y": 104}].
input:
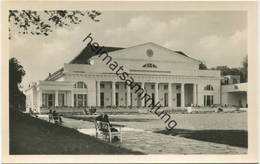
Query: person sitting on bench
[
  {"x": 104, "y": 118},
  {"x": 56, "y": 117}
]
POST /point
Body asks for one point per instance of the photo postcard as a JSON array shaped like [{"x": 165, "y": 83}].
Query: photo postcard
[{"x": 129, "y": 82}]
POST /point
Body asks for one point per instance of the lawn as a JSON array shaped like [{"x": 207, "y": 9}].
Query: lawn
[
  {"x": 30, "y": 135},
  {"x": 202, "y": 121},
  {"x": 224, "y": 128}
]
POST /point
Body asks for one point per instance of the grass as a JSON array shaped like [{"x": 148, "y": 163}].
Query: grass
[
  {"x": 30, "y": 135},
  {"x": 229, "y": 137}
]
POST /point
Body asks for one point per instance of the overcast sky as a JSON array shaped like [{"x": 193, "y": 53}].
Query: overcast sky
[{"x": 216, "y": 38}]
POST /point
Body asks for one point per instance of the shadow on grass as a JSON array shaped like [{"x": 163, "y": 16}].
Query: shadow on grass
[
  {"x": 30, "y": 135},
  {"x": 229, "y": 137}
]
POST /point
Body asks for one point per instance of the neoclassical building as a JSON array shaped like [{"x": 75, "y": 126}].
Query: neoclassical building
[{"x": 168, "y": 76}]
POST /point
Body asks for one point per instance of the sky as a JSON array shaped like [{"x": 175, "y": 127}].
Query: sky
[{"x": 213, "y": 37}]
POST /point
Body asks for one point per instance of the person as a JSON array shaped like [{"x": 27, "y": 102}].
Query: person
[
  {"x": 104, "y": 118},
  {"x": 220, "y": 109},
  {"x": 57, "y": 117},
  {"x": 50, "y": 115},
  {"x": 60, "y": 119},
  {"x": 30, "y": 111},
  {"x": 33, "y": 113}
]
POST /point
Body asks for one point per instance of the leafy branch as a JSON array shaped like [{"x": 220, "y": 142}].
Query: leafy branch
[{"x": 42, "y": 22}]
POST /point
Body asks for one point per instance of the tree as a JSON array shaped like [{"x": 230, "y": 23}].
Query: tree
[
  {"x": 16, "y": 73},
  {"x": 203, "y": 66},
  {"x": 241, "y": 71},
  {"x": 225, "y": 70},
  {"x": 42, "y": 22},
  {"x": 244, "y": 69}
]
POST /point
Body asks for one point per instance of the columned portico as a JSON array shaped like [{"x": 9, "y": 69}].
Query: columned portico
[
  {"x": 169, "y": 94},
  {"x": 116, "y": 93}
]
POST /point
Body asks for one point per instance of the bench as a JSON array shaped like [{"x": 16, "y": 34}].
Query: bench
[
  {"x": 33, "y": 114},
  {"x": 104, "y": 129},
  {"x": 54, "y": 119}
]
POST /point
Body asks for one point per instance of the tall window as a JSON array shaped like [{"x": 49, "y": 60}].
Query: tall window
[
  {"x": 80, "y": 85},
  {"x": 208, "y": 100},
  {"x": 208, "y": 88},
  {"x": 165, "y": 87},
  {"x": 48, "y": 99},
  {"x": 117, "y": 98},
  {"x": 80, "y": 100},
  {"x": 126, "y": 98},
  {"x": 61, "y": 99},
  {"x": 166, "y": 99},
  {"x": 131, "y": 99}
]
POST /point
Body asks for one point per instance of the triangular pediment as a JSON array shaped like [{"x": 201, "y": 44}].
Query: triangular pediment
[{"x": 152, "y": 52}]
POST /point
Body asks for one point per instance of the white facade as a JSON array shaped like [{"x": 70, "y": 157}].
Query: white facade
[
  {"x": 168, "y": 76},
  {"x": 234, "y": 95}
]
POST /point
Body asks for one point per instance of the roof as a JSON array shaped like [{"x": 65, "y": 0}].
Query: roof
[
  {"x": 182, "y": 53},
  {"x": 55, "y": 75},
  {"x": 87, "y": 53}
]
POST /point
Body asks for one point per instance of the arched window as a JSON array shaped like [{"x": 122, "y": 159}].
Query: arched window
[
  {"x": 80, "y": 85},
  {"x": 149, "y": 65},
  {"x": 208, "y": 88}
]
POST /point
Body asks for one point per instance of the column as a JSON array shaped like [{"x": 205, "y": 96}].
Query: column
[
  {"x": 182, "y": 95},
  {"x": 39, "y": 100},
  {"x": 194, "y": 94},
  {"x": 113, "y": 93},
  {"x": 156, "y": 96},
  {"x": 128, "y": 93},
  {"x": 98, "y": 93},
  {"x": 56, "y": 98},
  {"x": 66, "y": 98},
  {"x": 142, "y": 100},
  {"x": 72, "y": 99},
  {"x": 169, "y": 94}
]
